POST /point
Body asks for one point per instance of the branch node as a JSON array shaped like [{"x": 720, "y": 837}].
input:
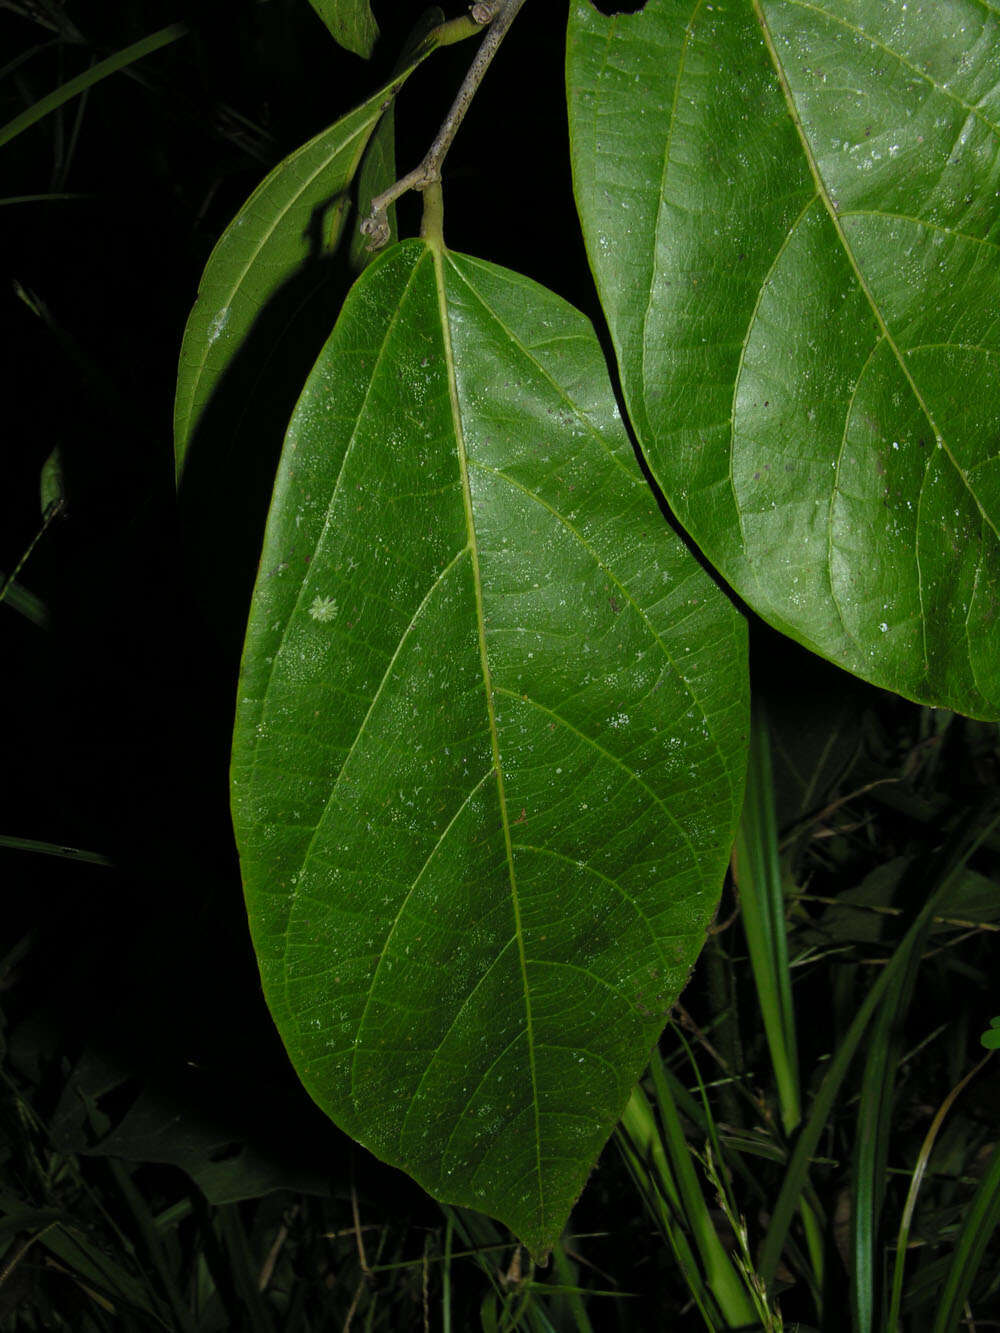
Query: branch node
[
  {"x": 376, "y": 228},
  {"x": 499, "y": 14}
]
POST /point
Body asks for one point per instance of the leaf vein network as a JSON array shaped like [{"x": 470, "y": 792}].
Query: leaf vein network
[
  {"x": 626, "y": 594},
  {"x": 924, "y": 223},
  {"x": 384, "y": 950},
  {"x": 845, "y": 244},
  {"x": 835, "y": 491},
  {"x": 466, "y": 1001},
  {"x": 580, "y": 416},
  {"x": 518, "y": 1036},
  {"x": 328, "y": 516},
  {"x": 561, "y": 856},
  {"x": 596, "y": 745},
  {"x": 896, "y": 55},
  {"x": 664, "y": 171},
  {"x": 738, "y": 375}
]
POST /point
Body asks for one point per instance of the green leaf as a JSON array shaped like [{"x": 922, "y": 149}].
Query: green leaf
[
  {"x": 791, "y": 211},
  {"x": 294, "y": 218},
  {"x": 490, "y": 740},
  {"x": 351, "y": 23},
  {"x": 18, "y": 598},
  {"x": 52, "y": 482},
  {"x": 223, "y": 1164}
]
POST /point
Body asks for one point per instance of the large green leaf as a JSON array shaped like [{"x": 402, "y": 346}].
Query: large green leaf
[
  {"x": 793, "y": 216},
  {"x": 293, "y": 218},
  {"x": 351, "y": 22},
  {"x": 489, "y": 744}
]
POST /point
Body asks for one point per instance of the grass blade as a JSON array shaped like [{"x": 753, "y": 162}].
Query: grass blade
[
  {"x": 877, "y": 1093},
  {"x": 19, "y": 599},
  {"x": 74, "y": 87},
  {"x": 48, "y": 198},
  {"x": 242, "y": 1266},
  {"x": 95, "y": 1270},
  {"x": 642, "y": 1147},
  {"x": 759, "y": 881},
  {"x": 53, "y": 849},
  {"x": 872, "y": 1141},
  {"x": 944, "y": 871},
  {"x": 449, "y": 1232},
  {"x": 981, "y": 1222},
  {"x": 762, "y": 906},
  {"x": 153, "y": 1245},
  {"x": 721, "y": 1276},
  {"x": 571, "y": 1294}
]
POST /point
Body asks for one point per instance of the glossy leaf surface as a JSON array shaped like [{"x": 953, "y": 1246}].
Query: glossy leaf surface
[
  {"x": 793, "y": 217},
  {"x": 294, "y": 217},
  {"x": 490, "y": 740},
  {"x": 351, "y": 22}
]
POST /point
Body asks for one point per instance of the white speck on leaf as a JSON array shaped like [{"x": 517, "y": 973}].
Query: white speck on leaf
[
  {"x": 218, "y": 324},
  {"x": 323, "y": 609}
]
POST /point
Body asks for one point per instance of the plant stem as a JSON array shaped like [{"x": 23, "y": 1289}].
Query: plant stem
[
  {"x": 432, "y": 222},
  {"x": 500, "y": 15}
]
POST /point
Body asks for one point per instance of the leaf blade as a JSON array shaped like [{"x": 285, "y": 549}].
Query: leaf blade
[
  {"x": 296, "y": 215},
  {"x": 350, "y": 22},
  {"x": 502, "y": 864},
  {"x": 781, "y": 354}
]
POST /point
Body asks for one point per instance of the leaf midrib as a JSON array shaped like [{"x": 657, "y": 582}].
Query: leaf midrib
[{"x": 436, "y": 251}]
